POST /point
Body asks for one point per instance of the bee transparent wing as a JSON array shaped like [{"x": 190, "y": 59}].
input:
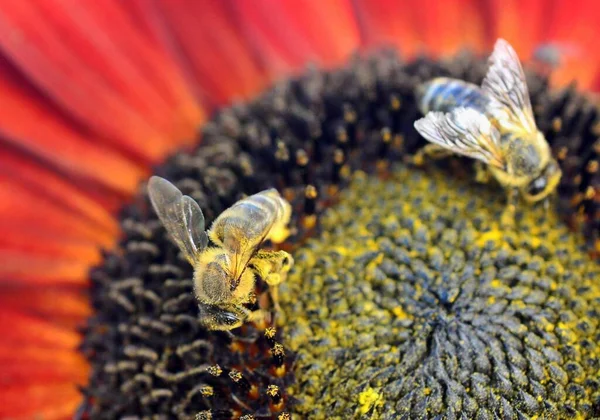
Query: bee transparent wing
[
  {"x": 463, "y": 131},
  {"x": 265, "y": 221},
  {"x": 507, "y": 88},
  {"x": 180, "y": 215}
]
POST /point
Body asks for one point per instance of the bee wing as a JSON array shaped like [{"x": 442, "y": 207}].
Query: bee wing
[
  {"x": 507, "y": 88},
  {"x": 247, "y": 248},
  {"x": 464, "y": 131},
  {"x": 180, "y": 215}
]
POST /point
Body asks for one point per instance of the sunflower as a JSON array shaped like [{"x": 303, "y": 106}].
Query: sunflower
[{"x": 97, "y": 95}]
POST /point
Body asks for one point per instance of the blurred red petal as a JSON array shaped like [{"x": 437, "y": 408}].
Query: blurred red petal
[
  {"x": 70, "y": 54},
  {"x": 47, "y": 182},
  {"x": 389, "y": 23},
  {"x": 49, "y": 373},
  {"x": 520, "y": 22},
  {"x": 569, "y": 27},
  {"x": 288, "y": 34},
  {"x": 203, "y": 40},
  {"x": 18, "y": 330},
  {"x": 54, "y": 139},
  {"x": 575, "y": 28},
  {"x": 21, "y": 267},
  {"x": 28, "y": 210},
  {"x": 39, "y": 355},
  {"x": 44, "y": 401},
  {"x": 64, "y": 306},
  {"x": 449, "y": 26},
  {"x": 31, "y": 242}
]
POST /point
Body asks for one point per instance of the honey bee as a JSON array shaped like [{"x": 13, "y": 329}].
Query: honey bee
[
  {"x": 224, "y": 274},
  {"x": 494, "y": 124}
]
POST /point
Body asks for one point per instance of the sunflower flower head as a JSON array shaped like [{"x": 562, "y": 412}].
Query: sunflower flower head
[
  {"x": 407, "y": 299},
  {"x": 414, "y": 303}
]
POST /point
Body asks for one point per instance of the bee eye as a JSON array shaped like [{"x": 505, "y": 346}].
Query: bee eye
[
  {"x": 215, "y": 315},
  {"x": 226, "y": 318},
  {"x": 537, "y": 186}
]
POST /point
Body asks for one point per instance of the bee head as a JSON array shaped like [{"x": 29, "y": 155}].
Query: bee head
[
  {"x": 544, "y": 184},
  {"x": 222, "y": 318}
]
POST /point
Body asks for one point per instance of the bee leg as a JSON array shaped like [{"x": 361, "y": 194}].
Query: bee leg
[
  {"x": 273, "y": 268},
  {"x": 482, "y": 175},
  {"x": 259, "y": 316},
  {"x": 432, "y": 151},
  {"x": 507, "y": 220}
]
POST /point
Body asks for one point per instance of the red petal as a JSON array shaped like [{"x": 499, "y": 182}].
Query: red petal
[
  {"x": 67, "y": 307},
  {"x": 18, "y": 330},
  {"x": 389, "y": 23},
  {"x": 520, "y": 22},
  {"x": 53, "y": 140},
  {"x": 45, "y": 181},
  {"x": 288, "y": 34},
  {"x": 33, "y": 243},
  {"x": 21, "y": 267},
  {"x": 39, "y": 355},
  {"x": 24, "y": 209},
  {"x": 54, "y": 402},
  {"x": 50, "y": 391},
  {"x": 70, "y": 55},
  {"x": 448, "y": 27},
  {"x": 201, "y": 37},
  {"x": 575, "y": 28},
  {"x": 30, "y": 372}
]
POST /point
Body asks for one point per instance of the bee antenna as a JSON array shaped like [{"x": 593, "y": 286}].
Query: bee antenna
[
  {"x": 248, "y": 339},
  {"x": 239, "y": 402}
]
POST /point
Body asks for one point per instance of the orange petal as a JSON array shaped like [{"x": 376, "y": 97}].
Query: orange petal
[
  {"x": 54, "y": 402},
  {"x": 36, "y": 244},
  {"x": 204, "y": 41},
  {"x": 520, "y": 22},
  {"x": 45, "y": 181},
  {"x": 65, "y": 61},
  {"x": 115, "y": 48},
  {"x": 19, "y": 266},
  {"x": 52, "y": 139},
  {"x": 288, "y": 34},
  {"x": 575, "y": 28},
  {"x": 33, "y": 372},
  {"x": 389, "y": 23},
  {"x": 18, "y": 330},
  {"x": 23, "y": 208},
  {"x": 39, "y": 355},
  {"x": 66, "y": 307},
  {"x": 449, "y": 26}
]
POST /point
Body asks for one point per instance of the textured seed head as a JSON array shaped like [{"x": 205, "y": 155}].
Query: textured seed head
[
  {"x": 150, "y": 355},
  {"x": 425, "y": 307}
]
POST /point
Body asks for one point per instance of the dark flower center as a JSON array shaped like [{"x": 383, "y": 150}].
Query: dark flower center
[
  {"x": 415, "y": 304},
  {"x": 148, "y": 350}
]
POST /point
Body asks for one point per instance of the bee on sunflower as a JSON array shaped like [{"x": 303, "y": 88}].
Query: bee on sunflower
[{"x": 405, "y": 300}]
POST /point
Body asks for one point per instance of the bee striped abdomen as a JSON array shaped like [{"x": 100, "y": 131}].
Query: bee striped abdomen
[
  {"x": 250, "y": 218},
  {"x": 444, "y": 94}
]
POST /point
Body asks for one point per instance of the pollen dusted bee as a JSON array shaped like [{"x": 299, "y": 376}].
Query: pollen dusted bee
[
  {"x": 494, "y": 124},
  {"x": 224, "y": 275}
]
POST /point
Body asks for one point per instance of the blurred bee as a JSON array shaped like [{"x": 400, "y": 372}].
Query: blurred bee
[
  {"x": 494, "y": 124},
  {"x": 224, "y": 275}
]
